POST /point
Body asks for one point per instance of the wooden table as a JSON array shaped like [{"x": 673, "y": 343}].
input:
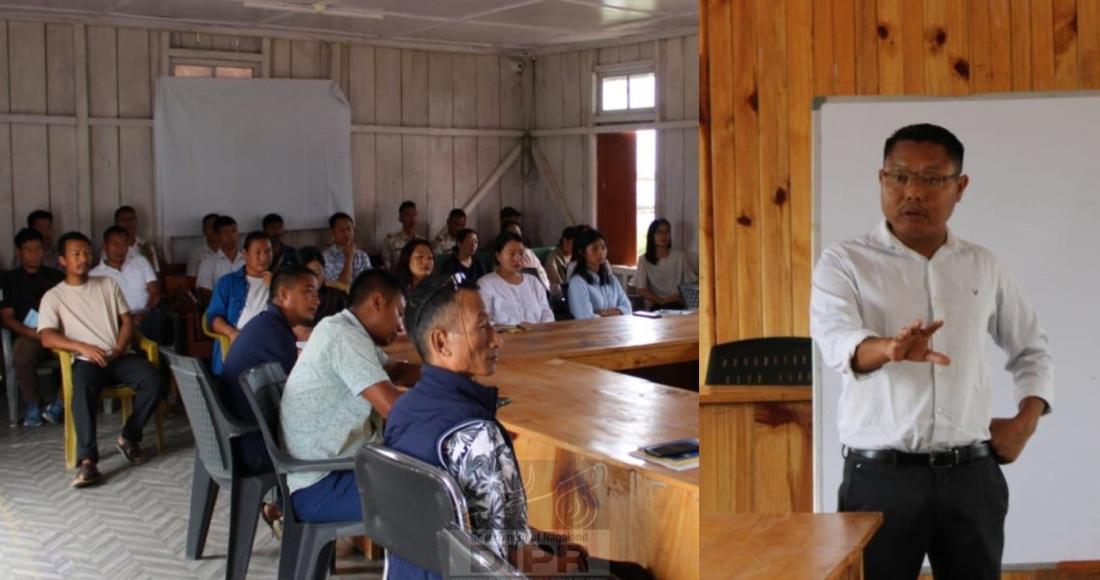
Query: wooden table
[
  {"x": 796, "y": 546},
  {"x": 575, "y": 423}
]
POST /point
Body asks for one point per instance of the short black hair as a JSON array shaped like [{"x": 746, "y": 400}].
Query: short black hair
[
  {"x": 928, "y": 133},
  {"x": 456, "y": 213},
  {"x": 288, "y": 277},
  {"x": 27, "y": 235},
  {"x": 337, "y": 217},
  {"x": 253, "y": 237},
  {"x": 38, "y": 214},
  {"x": 271, "y": 218},
  {"x": 406, "y": 205},
  {"x": 569, "y": 233},
  {"x": 209, "y": 217},
  {"x": 584, "y": 239},
  {"x": 71, "y": 237},
  {"x": 370, "y": 282},
  {"x": 124, "y": 209},
  {"x": 504, "y": 238},
  {"x": 428, "y": 303},
  {"x": 223, "y": 221},
  {"x": 509, "y": 212},
  {"x": 115, "y": 230},
  {"x": 307, "y": 254}
]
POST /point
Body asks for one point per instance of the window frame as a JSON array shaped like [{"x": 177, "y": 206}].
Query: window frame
[
  {"x": 214, "y": 63},
  {"x": 603, "y": 71}
]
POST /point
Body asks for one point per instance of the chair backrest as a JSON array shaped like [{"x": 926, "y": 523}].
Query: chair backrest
[
  {"x": 785, "y": 360},
  {"x": 464, "y": 557},
  {"x": 201, "y": 402},
  {"x": 406, "y": 502},
  {"x": 690, "y": 294},
  {"x": 263, "y": 387}
]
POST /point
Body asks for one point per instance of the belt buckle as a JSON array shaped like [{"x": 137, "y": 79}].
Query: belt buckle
[{"x": 953, "y": 454}]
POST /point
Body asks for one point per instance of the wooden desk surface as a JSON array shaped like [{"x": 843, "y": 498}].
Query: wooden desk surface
[
  {"x": 603, "y": 342},
  {"x": 709, "y": 394},
  {"x": 803, "y": 546},
  {"x": 597, "y": 413}
]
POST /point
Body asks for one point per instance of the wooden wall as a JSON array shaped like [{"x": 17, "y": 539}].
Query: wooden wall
[
  {"x": 762, "y": 64},
  {"x": 77, "y": 104},
  {"x": 563, "y": 103}
]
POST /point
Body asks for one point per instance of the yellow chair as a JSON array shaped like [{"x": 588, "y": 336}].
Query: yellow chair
[
  {"x": 337, "y": 285},
  {"x": 222, "y": 339},
  {"x": 123, "y": 392}
]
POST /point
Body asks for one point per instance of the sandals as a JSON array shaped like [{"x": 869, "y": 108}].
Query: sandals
[
  {"x": 275, "y": 522},
  {"x": 87, "y": 474},
  {"x": 130, "y": 450}
]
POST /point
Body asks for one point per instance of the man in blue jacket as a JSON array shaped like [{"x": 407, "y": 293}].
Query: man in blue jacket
[{"x": 239, "y": 296}]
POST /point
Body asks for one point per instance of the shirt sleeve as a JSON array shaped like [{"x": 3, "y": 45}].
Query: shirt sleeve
[
  {"x": 641, "y": 275},
  {"x": 1015, "y": 328},
  {"x": 49, "y": 315},
  {"x": 219, "y": 302},
  {"x": 580, "y": 305},
  {"x": 117, "y": 297},
  {"x": 359, "y": 365},
  {"x": 148, "y": 273},
  {"x": 205, "y": 276},
  {"x": 480, "y": 460},
  {"x": 333, "y": 266},
  {"x": 836, "y": 324},
  {"x": 488, "y": 295},
  {"x": 622, "y": 302},
  {"x": 545, "y": 313},
  {"x": 194, "y": 261}
]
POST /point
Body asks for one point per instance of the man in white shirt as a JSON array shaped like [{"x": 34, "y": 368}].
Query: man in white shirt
[
  {"x": 126, "y": 218},
  {"x": 916, "y": 422},
  {"x": 228, "y": 258},
  {"x": 208, "y": 247},
  {"x": 134, "y": 276}
]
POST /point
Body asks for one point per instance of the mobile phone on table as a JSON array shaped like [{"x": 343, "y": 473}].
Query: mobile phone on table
[{"x": 673, "y": 449}]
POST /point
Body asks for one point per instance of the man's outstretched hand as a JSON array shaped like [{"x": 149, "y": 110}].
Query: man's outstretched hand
[{"x": 910, "y": 344}]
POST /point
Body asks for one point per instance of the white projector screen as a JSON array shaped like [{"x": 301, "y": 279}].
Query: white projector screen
[
  {"x": 1034, "y": 201},
  {"x": 245, "y": 148}
]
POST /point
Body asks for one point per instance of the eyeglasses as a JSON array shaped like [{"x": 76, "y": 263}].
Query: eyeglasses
[{"x": 900, "y": 179}]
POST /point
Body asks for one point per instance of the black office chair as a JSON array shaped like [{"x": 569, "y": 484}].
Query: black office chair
[
  {"x": 216, "y": 466},
  {"x": 406, "y": 505},
  {"x": 307, "y": 547},
  {"x": 762, "y": 361}
]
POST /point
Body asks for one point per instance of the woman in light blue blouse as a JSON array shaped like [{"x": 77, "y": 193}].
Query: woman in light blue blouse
[{"x": 593, "y": 291}]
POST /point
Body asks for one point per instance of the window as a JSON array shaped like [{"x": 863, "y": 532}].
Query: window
[
  {"x": 645, "y": 184},
  {"x": 212, "y": 71},
  {"x": 626, "y": 92}
]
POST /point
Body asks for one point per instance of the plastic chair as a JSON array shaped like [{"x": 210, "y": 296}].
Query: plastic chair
[
  {"x": 45, "y": 370},
  {"x": 121, "y": 391},
  {"x": 222, "y": 339},
  {"x": 465, "y": 557},
  {"x": 216, "y": 467},
  {"x": 306, "y": 546}
]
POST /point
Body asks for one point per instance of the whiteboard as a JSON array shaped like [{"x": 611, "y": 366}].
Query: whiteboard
[
  {"x": 1034, "y": 200},
  {"x": 245, "y": 148}
]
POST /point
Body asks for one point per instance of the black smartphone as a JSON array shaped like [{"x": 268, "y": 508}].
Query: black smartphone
[{"x": 683, "y": 448}]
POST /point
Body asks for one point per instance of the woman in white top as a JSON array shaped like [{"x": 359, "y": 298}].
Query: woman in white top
[
  {"x": 510, "y": 296},
  {"x": 661, "y": 269},
  {"x": 593, "y": 291}
]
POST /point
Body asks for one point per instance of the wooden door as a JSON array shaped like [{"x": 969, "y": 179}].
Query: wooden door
[{"x": 616, "y": 195}]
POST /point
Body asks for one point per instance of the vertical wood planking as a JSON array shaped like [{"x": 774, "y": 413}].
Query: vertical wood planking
[
  {"x": 1020, "y": 21},
  {"x": 891, "y": 65},
  {"x": 363, "y": 183},
  {"x": 691, "y": 77},
  {"x": 912, "y": 46},
  {"x": 672, "y": 71},
  {"x": 30, "y": 168},
  {"x": 103, "y": 102},
  {"x": 280, "y": 58},
  {"x": 465, "y": 184},
  {"x": 387, "y": 90},
  {"x": 388, "y": 185},
  {"x": 587, "y": 86},
  {"x": 746, "y": 178},
  {"x": 133, "y": 74},
  {"x": 465, "y": 92},
  {"x": 981, "y": 57},
  {"x": 1000, "y": 45},
  {"x": 61, "y": 141},
  {"x": 1042, "y": 45},
  {"x": 1065, "y": 45},
  {"x": 823, "y": 71},
  {"x": 60, "y": 70},
  {"x": 570, "y": 90},
  {"x": 844, "y": 46},
  {"x": 440, "y": 90},
  {"x": 1088, "y": 28},
  {"x": 511, "y": 96},
  {"x": 670, "y": 182},
  {"x": 488, "y": 148},
  {"x": 440, "y": 183},
  {"x": 135, "y": 144},
  {"x": 799, "y": 109},
  {"x": 414, "y": 182},
  {"x": 361, "y": 83},
  {"x": 27, "y": 94},
  {"x": 305, "y": 59},
  {"x": 867, "y": 38},
  {"x": 947, "y": 69},
  {"x": 690, "y": 231},
  {"x": 414, "y": 88}
]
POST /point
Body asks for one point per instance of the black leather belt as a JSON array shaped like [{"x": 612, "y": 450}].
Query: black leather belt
[{"x": 943, "y": 458}]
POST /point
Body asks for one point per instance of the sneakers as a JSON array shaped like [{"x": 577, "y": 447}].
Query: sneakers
[
  {"x": 33, "y": 417},
  {"x": 53, "y": 413}
]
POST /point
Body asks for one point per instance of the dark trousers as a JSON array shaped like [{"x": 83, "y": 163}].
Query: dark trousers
[
  {"x": 26, "y": 353},
  {"x": 955, "y": 515},
  {"x": 89, "y": 379},
  {"x": 333, "y": 499}
]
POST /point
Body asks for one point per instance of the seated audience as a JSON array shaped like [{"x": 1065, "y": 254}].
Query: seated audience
[
  {"x": 343, "y": 260},
  {"x": 662, "y": 269},
  {"x": 414, "y": 265},
  {"x": 449, "y": 420},
  {"x": 282, "y": 255},
  {"x": 395, "y": 242},
  {"x": 41, "y": 221},
  {"x": 89, "y": 317},
  {"x": 530, "y": 260},
  {"x": 509, "y": 214},
  {"x": 208, "y": 247},
  {"x": 227, "y": 259},
  {"x": 557, "y": 262},
  {"x": 126, "y": 218},
  {"x": 445, "y": 242},
  {"x": 240, "y": 295},
  {"x": 23, "y": 289},
  {"x": 463, "y": 259},
  {"x": 340, "y": 388},
  {"x": 593, "y": 291},
  {"x": 333, "y": 299},
  {"x": 510, "y": 296},
  {"x": 136, "y": 278}
]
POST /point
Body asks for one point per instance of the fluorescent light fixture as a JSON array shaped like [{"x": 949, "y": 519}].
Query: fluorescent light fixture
[{"x": 314, "y": 8}]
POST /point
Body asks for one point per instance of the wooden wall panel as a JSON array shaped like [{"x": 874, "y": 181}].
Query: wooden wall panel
[{"x": 765, "y": 62}]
